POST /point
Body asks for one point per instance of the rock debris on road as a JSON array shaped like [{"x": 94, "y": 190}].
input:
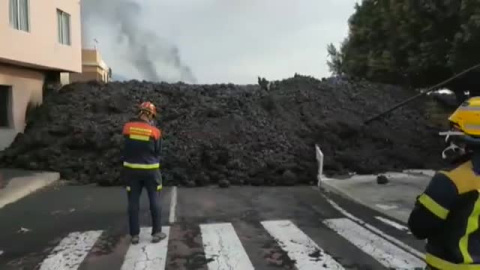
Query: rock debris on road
[{"x": 230, "y": 134}]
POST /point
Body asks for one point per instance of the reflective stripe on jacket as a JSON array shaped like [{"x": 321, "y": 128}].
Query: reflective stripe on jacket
[
  {"x": 447, "y": 215},
  {"x": 142, "y": 145}
]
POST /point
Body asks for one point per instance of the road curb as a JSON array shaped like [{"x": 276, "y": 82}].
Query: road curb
[{"x": 20, "y": 187}]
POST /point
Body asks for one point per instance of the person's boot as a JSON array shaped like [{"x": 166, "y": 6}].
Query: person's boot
[
  {"x": 135, "y": 239},
  {"x": 157, "y": 237}
]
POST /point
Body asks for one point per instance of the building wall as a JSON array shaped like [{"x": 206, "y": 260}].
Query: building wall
[
  {"x": 40, "y": 47},
  {"x": 93, "y": 68},
  {"x": 90, "y": 56},
  {"x": 88, "y": 74},
  {"x": 27, "y": 88},
  {"x": 84, "y": 77}
]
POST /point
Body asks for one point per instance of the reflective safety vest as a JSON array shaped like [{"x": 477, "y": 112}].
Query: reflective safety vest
[
  {"x": 142, "y": 146},
  {"x": 447, "y": 215}
]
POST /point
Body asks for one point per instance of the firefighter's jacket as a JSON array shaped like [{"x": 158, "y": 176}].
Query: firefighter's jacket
[
  {"x": 142, "y": 147},
  {"x": 447, "y": 215}
]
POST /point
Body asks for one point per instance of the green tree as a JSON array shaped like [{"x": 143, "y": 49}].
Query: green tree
[
  {"x": 411, "y": 42},
  {"x": 335, "y": 62}
]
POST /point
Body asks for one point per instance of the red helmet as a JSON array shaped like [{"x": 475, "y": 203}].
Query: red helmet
[{"x": 149, "y": 108}]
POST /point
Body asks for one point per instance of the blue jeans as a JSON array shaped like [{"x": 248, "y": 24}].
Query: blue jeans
[{"x": 135, "y": 184}]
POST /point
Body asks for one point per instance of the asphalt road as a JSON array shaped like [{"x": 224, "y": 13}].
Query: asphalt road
[{"x": 85, "y": 227}]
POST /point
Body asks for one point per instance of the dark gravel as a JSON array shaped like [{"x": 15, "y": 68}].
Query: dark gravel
[{"x": 228, "y": 134}]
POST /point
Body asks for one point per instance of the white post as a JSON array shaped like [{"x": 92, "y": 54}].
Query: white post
[{"x": 319, "y": 155}]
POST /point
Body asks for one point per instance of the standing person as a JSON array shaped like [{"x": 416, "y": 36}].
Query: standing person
[
  {"x": 141, "y": 162},
  {"x": 447, "y": 213}
]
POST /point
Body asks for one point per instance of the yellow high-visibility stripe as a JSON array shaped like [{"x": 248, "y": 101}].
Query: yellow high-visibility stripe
[
  {"x": 140, "y": 133},
  {"x": 141, "y": 130},
  {"x": 140, "y": 137},
  {"x": 445, "y": 265},
  {"x": 472, "y": 226},
  {"x": 141, "y": 166},
  {"x": 433, "y": 206}
]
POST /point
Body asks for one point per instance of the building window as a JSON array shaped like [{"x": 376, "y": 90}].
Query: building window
[
  {"x": 19, "y": 15},
  {"x": 63, "y": 27},
  {"x": 5, "y": 106}
]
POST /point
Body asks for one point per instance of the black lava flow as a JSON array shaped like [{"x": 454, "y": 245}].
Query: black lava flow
[{"x": 230, "y": 134}]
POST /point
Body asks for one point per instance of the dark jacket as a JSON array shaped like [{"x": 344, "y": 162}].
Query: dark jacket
[
  {"x": 142, "y": 147},
  {"x": 447, "y": 215}
]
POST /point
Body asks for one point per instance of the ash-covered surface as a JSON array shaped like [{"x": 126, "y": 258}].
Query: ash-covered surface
[{"x": 230, "y": 134}]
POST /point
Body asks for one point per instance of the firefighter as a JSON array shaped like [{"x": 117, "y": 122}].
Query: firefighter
[
  {"x": 447, "y": 213},
  {"x": 141, "y": 169}
]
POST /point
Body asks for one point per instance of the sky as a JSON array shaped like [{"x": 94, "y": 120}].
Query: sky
[{"x": 215, "y": 41}]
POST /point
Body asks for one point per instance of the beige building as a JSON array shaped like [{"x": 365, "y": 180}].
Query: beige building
[
  {"x": 93, "y": 68},
  {"x": 39, "y": 41}
]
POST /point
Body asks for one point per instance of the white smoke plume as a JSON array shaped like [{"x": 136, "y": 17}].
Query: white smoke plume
[{"x": 147, "y": 52}]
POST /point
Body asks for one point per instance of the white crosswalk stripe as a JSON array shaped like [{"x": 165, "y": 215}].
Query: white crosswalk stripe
[
  {"x": 70, "y": 252},
  {"x": 223, "y": 248},
  {"x": 394, "y": 224},
  {"x": 299, "y": 246},
  {"x": 386, "y": 253},
  {"x": 374, "y": 229},
  {"x": 146, "y": 255}
]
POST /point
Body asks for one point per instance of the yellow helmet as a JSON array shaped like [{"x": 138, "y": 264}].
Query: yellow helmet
[
  {"x": 466, "y": 118},
  {"x": 465, "y": 133}
]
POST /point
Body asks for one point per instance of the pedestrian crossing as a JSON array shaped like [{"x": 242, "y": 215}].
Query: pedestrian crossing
[
  {"x": 147, "y": 255},
  {"x": 223, "y": 248},
  {"x": 384, "y": 252},
  {"x": 299, "y": 246},
  {"x": 70, "y": 252}
]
